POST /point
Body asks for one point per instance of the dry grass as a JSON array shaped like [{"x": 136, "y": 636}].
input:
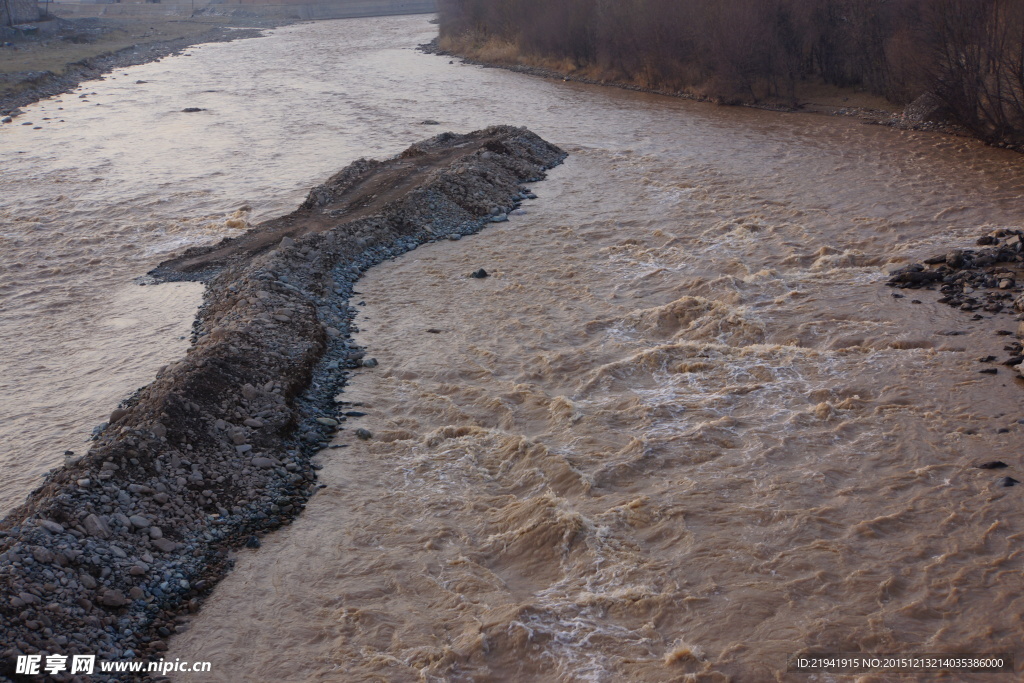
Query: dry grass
[
  {"x": 814, "y": 93},
  {"x": 503, "y": 52},
  {"x": 492, "y": 50}
]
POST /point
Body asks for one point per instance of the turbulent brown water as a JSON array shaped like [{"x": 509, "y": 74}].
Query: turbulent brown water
[{"x": 681, "y": 429}]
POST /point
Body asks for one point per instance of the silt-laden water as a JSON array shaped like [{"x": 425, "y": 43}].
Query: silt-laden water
[{"x": 682, "y": 428}]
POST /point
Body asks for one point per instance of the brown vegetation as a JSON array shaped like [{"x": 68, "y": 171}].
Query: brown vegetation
[{"x": 968, "y": 53}]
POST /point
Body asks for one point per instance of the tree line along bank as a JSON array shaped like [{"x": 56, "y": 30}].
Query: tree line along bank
[{"x": 966, "y": 53}]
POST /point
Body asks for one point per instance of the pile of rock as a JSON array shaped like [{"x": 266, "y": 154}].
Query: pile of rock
[
  {"x": 989, "y": 279},
  {"x": 107, "y": 556}
]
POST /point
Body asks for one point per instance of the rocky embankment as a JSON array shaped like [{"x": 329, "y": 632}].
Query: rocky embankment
[
  {"x": 987, "y": 280},
  {"x": 116, "y": 547}
]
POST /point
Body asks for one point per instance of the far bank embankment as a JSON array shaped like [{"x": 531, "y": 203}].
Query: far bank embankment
[
  {"x": 67, "y": 52},
  {"x": 924, "y": 114},
  {"x": 81, "y": 41}
]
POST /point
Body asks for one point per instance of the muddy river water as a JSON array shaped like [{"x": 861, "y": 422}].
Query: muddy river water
[{"x": 682, "y": 428}]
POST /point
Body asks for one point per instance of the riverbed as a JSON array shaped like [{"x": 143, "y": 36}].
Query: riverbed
[{"x": 682, "y": 427}]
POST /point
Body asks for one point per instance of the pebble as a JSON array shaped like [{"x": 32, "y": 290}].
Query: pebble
[
  {"x": 112, "y": 598},
  {"x": 51, "y": 526},
  {"x": 364, "y": 434},
  {"x": 479, "y": 274},
  {"x": 164, "y": 545},
  {"x": 95, "y": 526}
]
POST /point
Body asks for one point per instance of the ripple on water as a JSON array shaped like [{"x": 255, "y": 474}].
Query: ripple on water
[{"x": 681, "y": 429}]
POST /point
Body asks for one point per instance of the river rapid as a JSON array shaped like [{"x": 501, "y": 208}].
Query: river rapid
[{"x": 682, "y": 428}]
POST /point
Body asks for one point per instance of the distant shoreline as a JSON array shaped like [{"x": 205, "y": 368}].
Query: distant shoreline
[
  {"x": 39, "y": 85},
  {"x": 910, "y": 117}
]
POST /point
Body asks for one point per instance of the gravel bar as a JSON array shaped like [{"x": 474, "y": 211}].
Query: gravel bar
[{"x": 113, "y": 551}]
